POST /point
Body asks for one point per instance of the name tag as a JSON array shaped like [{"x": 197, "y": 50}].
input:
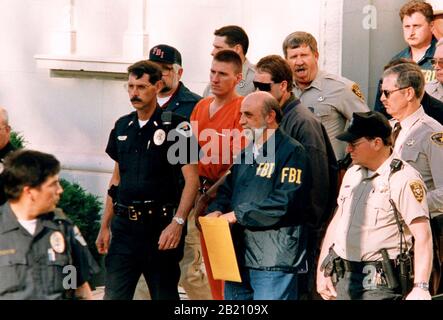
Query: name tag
[{"x": 122, "y": 138}]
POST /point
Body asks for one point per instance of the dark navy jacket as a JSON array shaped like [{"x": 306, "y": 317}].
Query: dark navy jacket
[
  {"x": 424, "y": 64},
  {"x": 302, "y": 125},
  {"x": 267, "y": 198},
  {"x": 182, "y": 101}
]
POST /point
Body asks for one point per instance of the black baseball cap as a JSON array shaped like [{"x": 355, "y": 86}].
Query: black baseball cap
[
  {"x": 165, "y": 54},
  {"x": 366, "y": 124}
]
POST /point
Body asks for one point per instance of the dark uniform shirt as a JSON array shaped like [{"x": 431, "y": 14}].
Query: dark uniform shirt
[
  {"x": 424, "y": 64},
  {"x": 267, "y": 199},
  {"x": 142, "y": 156},
  {"x": 182, "y": 101},
  {"x": 36, "y": 266}
]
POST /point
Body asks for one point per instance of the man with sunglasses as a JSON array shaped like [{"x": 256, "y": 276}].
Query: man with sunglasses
[
  {"x": 435, "y": 87},
  {"x": 419, "y": 140},
  {"x": 274, "y": 75},
  {"x": 362, "y": 243}
]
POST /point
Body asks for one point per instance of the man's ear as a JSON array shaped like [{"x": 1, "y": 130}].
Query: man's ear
[
  {"x": 180, "y": 73},
  {"x": 159, "y": 85},
  {"x": 238, "y": 48}
]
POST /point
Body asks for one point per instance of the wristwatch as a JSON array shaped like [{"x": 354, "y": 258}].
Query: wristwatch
[
  {"x": 422, "y": 285},
  {"x": 179, "y": 220}
]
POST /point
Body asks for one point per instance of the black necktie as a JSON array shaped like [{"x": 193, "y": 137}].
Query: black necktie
[{"x": 395, "y": 132}]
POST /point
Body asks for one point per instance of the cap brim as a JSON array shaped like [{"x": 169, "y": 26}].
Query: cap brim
[
  {"x": 161, "y": 61},
  {"x": 347, "y": 136}
]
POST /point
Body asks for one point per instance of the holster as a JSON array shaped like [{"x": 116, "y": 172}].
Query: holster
[{"x": 328, "y": 266}]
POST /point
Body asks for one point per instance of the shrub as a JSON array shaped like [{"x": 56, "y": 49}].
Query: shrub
[{"x": 17, "y": 140}]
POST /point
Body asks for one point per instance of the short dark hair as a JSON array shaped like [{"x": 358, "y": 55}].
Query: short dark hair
[
  {"x": 408, "y": 75},
  {"x": 271, "y": 104},
  {"x": 229, "y": 56},
  {"x": 278, "y": 68},
  {"x": 234, "y": 35},
  {"x": 152, "y": 69},
  {"x": 297, "y": 39},
  {"x": 414, "y": 6},
  {"x": 27, "y": 168}
]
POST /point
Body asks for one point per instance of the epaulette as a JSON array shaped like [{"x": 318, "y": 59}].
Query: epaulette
[{"x": 61, "y": 216}]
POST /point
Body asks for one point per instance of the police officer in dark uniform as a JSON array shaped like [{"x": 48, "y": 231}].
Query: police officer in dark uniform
[
  {"x": 145, "y": 204},
  {"x": 42, "y": 254}
]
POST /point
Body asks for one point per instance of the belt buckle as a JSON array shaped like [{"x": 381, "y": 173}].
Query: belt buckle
[{"x": 133, "y": 215}]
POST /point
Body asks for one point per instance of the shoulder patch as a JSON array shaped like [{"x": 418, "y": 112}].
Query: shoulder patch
[
  {"x": 356, "y": 89},
  {"x": 437, "y": 138},
  {"x": 417, "y": 190}
]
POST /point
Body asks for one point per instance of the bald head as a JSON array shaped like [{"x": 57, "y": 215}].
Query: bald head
[
  {"x": 5, "y": 129},
  {"x": 260, "y": 109}
]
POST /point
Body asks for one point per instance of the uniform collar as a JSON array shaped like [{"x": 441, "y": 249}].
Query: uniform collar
[
  {"x": 316, "y": 83},
  {"x": 409, "y": 121},
  {"x": 9, "y": 222},
  {"x": 381, "y": 171},
  {"x": 246, "y": 67}
]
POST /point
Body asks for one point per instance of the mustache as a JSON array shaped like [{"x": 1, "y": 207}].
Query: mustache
[{"x": 136, "y": 99}]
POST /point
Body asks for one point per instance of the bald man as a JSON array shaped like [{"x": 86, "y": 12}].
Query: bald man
[
  {"x": 262, "y": 199},
  {"x": 5, "y": 146}
]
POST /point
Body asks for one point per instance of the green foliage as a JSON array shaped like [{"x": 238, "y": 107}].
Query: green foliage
[
  {"x": 17, "y": 140},
  {"x": 83, "y": 209}
]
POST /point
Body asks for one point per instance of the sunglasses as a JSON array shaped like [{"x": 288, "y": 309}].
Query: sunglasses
[
  {"x": 261, "y": 86},
  {"x": 437, "y": 62},
  {"x": 388, "y": 93}
]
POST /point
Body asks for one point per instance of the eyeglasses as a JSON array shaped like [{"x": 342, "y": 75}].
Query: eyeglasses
[
  {"x": 166, "y": 70},
  {"x": 437, "y": 62},
  {"x": 388, "y": 93},
  {"x": 262, "y": 86},
  {"x": 356, "y": 143},
  {"x": 138, "y": 87}
]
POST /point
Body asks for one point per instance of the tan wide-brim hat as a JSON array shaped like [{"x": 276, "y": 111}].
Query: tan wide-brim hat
[{"x": 437, "y": 6}]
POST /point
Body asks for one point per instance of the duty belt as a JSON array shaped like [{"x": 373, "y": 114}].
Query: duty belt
[
  {"x": 146, "y": 208},
  {"x": 358, "y": 266}
]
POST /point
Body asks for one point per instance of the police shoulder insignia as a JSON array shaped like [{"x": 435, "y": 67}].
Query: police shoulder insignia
[
  {"x": 437, "y": 138},
  {"x": 78, "y": 236},
  {"x": 57, "y": 242},
  {"x": 417, "y": 190},
  {"x": 356, "y": 89},
  {"x": 184, "y": 128}
]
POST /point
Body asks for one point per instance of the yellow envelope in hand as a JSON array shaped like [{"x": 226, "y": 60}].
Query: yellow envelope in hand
[{"x": 221, "y": 251}]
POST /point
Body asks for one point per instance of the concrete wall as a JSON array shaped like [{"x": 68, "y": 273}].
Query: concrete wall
[
  {"x": 367, "y": 47},
  {"x": 71, "y": 115}
]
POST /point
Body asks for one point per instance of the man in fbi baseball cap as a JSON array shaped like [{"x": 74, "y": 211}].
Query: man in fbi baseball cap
[
  {"x": 165, "y": 54},
  {"x": 367, "y": 124}
]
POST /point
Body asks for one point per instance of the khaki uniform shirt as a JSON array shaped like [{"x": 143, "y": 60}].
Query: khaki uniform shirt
[
  {"x": 245, "y": 86},
  {"x": 367, "y": 221},
  {"x": 435, "y": 89},
  {"x": 420, "y": 143},
  {"x": 333, "y": 99}
]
